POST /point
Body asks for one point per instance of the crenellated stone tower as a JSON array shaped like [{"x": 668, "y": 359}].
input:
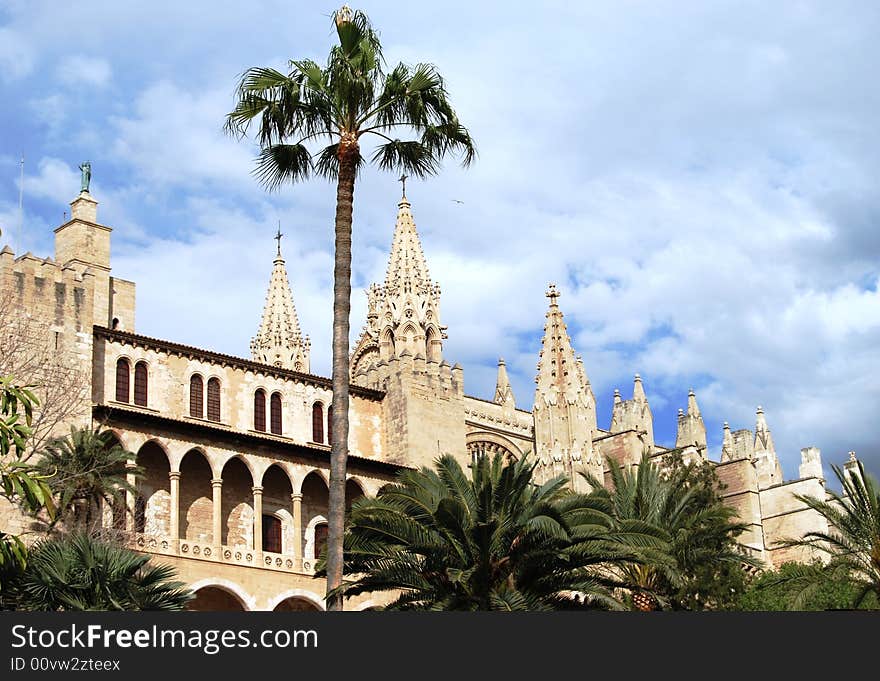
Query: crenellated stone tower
[
  {"x": 565, "y": 407},
  {"x": 279, "y": 340},
  {"x": 400, "y": 351}
]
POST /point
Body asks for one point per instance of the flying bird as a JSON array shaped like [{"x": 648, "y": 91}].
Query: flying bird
[{"x": 456, "y": 200}]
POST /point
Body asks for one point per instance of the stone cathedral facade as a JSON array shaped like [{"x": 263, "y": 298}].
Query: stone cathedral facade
[{"x": 236, "y": 450}]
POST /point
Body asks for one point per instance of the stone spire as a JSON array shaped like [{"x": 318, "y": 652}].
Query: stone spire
[
  {"x": 727, "y": 447},
  {"x": 691, "y": 429},
  {"x": 565, "y": 407},
  {"x": 403, "y": 314},
  {"x": 407, "y": 268},
  {"x": 634, "y": 414},
  {"x": 766, "y": 462},
  {"x": 279, "y": 340},
  {"x": 503, "y": 391}
]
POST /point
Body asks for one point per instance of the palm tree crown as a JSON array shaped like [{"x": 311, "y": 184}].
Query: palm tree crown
[
  {"x": 89, "y": 466},
  {"x": 494, "y": 542},
  {"x": 677, "y": 526}
]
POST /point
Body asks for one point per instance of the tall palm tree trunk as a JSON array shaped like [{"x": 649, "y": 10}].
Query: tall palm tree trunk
[{"x": 341, "y": 313}]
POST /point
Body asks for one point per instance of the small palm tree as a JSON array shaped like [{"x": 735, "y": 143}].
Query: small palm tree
[
  {"x": 852, "y": 543},
  {"x": 676, "y": 525},
  {"x": 80, "y": 572},
  {"x": 346, "y": 101},
  {"x": 494, "y": 542},
  {"x": 86, "y": 467}
]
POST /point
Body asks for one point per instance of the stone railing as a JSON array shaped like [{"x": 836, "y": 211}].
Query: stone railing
[{"x": 235, "y": 555}]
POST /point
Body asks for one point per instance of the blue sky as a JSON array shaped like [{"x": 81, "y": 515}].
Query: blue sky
[{"x": 698, "y": 178}]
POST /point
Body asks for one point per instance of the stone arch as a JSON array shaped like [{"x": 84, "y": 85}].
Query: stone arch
[
  {"x": 353, "y": 490},
  {"x": 492, "y": 443},
  {"x": 387, "y": 348},
  {"x": 153, "y": 500},
  {"x": 236, "y": 503},
  {"x": 225, "y": 586},
  {"x": 312, "y": 599},
  {"x": 324, "y": 475},
  {"x": 410, "y": 336},
  {"x": 433, "y": 345},
  {"x": 311, "y": 550},
  {"x": 277, "y": 491},
  {"x": 367, "y": 605},
  {"x": 196, "y": 496}
]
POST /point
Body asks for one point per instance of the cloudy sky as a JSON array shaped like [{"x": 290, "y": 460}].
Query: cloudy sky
[{"x": 699, "y": 179}]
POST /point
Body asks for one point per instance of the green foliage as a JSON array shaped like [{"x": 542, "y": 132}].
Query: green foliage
[
  {"x": 19, "y": 482},
  {"x": 495, "y": 541},
  {"x": 88, "y": 465},
  {"x": 684, "y": 536},
  {"x": 349, "y": 97},
  {"x": 81, "y": 572},
  {"x": 827, "y": 588},
  {"x": 852, "y": 542}
]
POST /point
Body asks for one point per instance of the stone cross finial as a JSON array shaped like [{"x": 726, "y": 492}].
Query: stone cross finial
[
  {"x": 852, "y": 456},
  {"x": 278, "y": 238},
  {"x": 552, "y": 293},
  {"x": 402, "y": 180}
]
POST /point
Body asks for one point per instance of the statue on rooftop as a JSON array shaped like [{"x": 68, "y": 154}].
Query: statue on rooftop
[{"x": 86, "y": 169}]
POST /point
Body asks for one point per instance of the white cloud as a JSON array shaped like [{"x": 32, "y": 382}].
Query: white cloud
[
  {"x": 16, "y": 56},
  {"x": 80, "y": 70}
]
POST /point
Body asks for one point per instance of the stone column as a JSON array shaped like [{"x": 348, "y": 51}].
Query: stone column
[
  {"x": 297, "y": 529},
  {"x": 130, "y": 497},
  {"x": 258, "y": 524},
  {"x": 217, "y": 508},
  {"x": 174, "y": 529}
]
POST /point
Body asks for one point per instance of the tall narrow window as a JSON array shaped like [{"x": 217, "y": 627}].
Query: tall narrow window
[
  {"x": 123, "y": 371},
  {"x": 214, "y": 399},
  {"x": 271, "y": 534},
  {"x": 140, "y": 384},
  {"x": 317, "y": 422},
  {"x": 330, "y": 425},
  {"x": 275, "y": 413},
  {"x": 196, "y": 397},
  {"x": 260, "y": 410}
]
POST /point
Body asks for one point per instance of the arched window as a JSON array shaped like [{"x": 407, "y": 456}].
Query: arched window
[
  {"x": 318, "y": 422},
  {"x": 214, "y": 399},
  {"x": 140, "y": 384},
  {"x": 330, "y": 425},
  {"x": 123, "y": 372},
  {"x": 196, "y": 397},
  {"x": 260, "y": 410},
  {"x": 275, "y": 413},
  {"x": 271, "y": 534}
]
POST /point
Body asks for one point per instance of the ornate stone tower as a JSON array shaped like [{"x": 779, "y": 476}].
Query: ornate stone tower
[
  {"x": 279, "y": 341},
  {"x": 565, "y": 407},
  {"x": 400, "y": 351},
  {"x": 766, "y": 462}
]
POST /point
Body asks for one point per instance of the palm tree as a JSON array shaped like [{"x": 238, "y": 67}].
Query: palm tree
[
  {"x": 677, "y": 526},
  {"x": 852, "y": 543},
  {"x": 87, "y": 466},
  {"x": 494, "y": 542},
  {"x": 343, "y": 102},
  {"x": 80, "y": 572}
]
